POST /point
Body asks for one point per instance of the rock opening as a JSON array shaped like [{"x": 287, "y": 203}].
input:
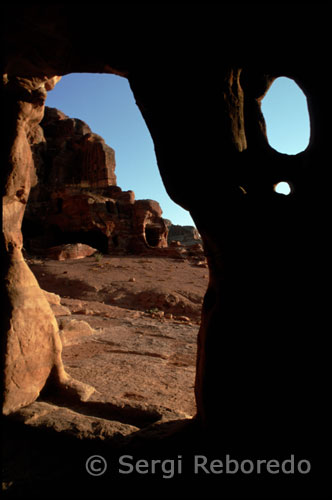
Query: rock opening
[
  {"x": 286, "y": 115},
  {"x": 152, "y": 235},
  {"x": 282, "y": 188}
]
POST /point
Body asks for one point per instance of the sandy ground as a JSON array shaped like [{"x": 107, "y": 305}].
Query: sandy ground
[{"x": 144, "y": 316}]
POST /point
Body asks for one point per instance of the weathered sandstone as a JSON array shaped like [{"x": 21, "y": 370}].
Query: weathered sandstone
[
  {"x": 73, "y": 331},
  {"x": 70, "y": 251},
  {"x": 75, "y": 198}
]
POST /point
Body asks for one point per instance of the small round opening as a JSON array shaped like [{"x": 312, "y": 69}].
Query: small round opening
[{"x": 282, "y": 188}]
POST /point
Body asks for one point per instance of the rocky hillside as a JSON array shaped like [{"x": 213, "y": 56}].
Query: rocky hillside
[{"x": 186, "y": 235}]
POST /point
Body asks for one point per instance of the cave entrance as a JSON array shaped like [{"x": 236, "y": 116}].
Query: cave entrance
[
  {"x": 134, "y": 302},
  {"x": 152, "y": 235},
  {"x": 285, "y": 110}
]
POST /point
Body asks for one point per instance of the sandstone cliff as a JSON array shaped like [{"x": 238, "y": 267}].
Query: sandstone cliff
[{"x": 76, "y": 198}]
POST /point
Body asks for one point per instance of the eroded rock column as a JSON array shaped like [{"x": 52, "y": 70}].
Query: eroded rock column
[{"x": 31, "y": 342}]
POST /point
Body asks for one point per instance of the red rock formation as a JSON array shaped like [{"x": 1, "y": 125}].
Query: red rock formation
[
  {"x": 32, "y": 352},
  {"x": 74, "y": 155},
  {"x": 76, "y": 198},
  {"x": 186, "y": 235},
  {"x": 149, "y": 226},
  {"x": 71, "y": 251}
]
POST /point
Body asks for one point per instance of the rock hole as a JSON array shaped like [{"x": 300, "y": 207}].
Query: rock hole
[
  {"x": 285, "y": 110},
  {"x": 20, "y": 193},
  {"x": 152, "y": 235},
  {"x": 282, "y": 188}
]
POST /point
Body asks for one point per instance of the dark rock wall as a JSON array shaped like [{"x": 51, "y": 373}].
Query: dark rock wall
[{"x": 262, "y": 367}]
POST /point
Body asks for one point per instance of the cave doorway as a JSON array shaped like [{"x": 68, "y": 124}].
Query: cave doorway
[
  {"x": 286, "y": 114},
  {"x": 152, "y": 235}
]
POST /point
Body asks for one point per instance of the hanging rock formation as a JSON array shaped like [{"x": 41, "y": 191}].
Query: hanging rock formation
[{"x": 76, "y": 198}]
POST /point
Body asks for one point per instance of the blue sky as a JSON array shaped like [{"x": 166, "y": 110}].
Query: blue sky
[
  {"x": 106, "y": 103},
  {"x": 286, "y": 115}
]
